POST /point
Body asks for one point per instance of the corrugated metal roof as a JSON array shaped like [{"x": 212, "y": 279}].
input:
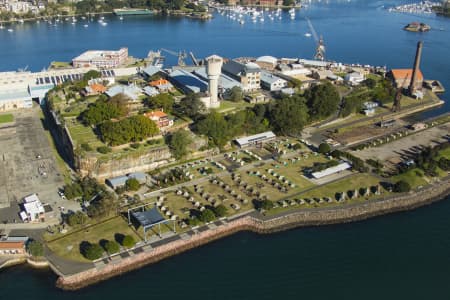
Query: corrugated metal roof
[{"x": 188, "y": 80}]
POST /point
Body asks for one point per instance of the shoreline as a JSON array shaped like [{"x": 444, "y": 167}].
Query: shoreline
[{"x": 262, "y": 225}]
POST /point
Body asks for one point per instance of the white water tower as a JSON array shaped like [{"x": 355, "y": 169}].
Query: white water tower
[{"x": 213, "y": 69}]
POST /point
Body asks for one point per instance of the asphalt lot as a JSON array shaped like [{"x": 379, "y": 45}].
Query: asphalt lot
[
  {"x": 27, "y": 164},
  {"x": 402, "y": 149}
]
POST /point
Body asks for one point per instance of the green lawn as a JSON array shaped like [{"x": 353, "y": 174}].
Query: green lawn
[
  {"x": 6, "y": 118},
  {"x": 69, "y": 246},
  {"x": 414, "y": 177},
  {"x": 350, "y": 183}
]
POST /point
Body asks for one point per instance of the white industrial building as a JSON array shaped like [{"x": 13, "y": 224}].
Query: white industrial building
[
  {"x": 33, "y": 210},
  {"x": 271, "y": 82},
  {"x": 101, "y": 58},
  {"x": 333, "y": 170},
  {"x": 18, "y": 89},
  {"x": 354, "y": 78},
  {"x": 256, "y": 139}
]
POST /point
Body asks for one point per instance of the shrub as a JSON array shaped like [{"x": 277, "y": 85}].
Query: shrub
[
  {"x": 104, "y": 149},
  {"x": 112, "y": 247},
  {"x": 220, "y": 210},
  {"x": 401, "y": 186},
  {"x": 132, "y": 184},
  {"x": 91, "y": 251},
  {"x": 135, "y": 145},
  {"x": 207, "y": 216},
  {"x": 128, "y": 241},
  {"x": 324, "y": 148},
  {"x": 264, "y": 204},
  {"x": 86, "y": 147},
  {"x": 35, "y": 248}
]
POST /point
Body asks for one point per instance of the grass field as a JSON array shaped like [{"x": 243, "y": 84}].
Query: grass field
[
  {"x": 69, "y": 246},
  {"x": 414, "y": 177},
  {"x": 84, "y": 134},
  {"x": 347, "y": 184},
  {"x": 6, "y": 118}
]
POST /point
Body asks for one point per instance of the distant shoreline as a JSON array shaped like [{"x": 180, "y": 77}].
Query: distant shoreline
[{"x": 257, "y": 223}]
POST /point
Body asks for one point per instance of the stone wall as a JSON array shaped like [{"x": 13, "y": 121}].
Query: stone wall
[{"x": 134, "y": 162}]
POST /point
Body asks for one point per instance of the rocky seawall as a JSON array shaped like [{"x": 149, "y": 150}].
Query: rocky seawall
[{"x": 263, "y": 225}]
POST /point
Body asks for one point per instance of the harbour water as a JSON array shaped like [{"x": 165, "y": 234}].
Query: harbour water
[{"x": 400, "y": 256}]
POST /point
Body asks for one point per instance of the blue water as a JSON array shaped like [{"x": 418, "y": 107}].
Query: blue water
[
  {"x": 402, "y": 256},
  {"x": 360, "y": 31}
]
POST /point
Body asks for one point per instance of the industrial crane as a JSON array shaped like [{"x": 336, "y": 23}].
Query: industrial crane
[
  {"x": 320, "y": 49},
  {"x": 181, "y": 56},
  {"x": 396, "y": 107}
]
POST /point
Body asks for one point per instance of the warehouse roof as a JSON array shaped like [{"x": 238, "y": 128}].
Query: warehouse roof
[{"x": 341, "y": 167}]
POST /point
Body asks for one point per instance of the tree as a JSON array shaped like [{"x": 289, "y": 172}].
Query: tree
[
  {"x": 161, "y": 102},
  {"x": 324, "y": 148},
  {"x": 370, "y": 83},
  {"x": 215, "y": 127},
  {"x": 191, "y": 105},
  {"x": 104, "y": 149},
  {"x": 322, "y": 100},
  {"x": 289, "y": 115},
  {"x": 178, "y": 142},
  {"x": 78, "y": 218},
  {"x": 92, "y": 74},
  {"x": 86, "y": 147},
  {"x": 132, "y": 184},
  {"x": 112, "y": 247},
  {"x": 236, "y": 94},
  {"x": 132, "y": 129},
  {"x": 220, "y": 210},
  {"x": 101, "y": 111},
  {"x": 401, "y": 186},
  {"x": 91, "y": 251},
  {"x": 128, "y": 241},
  {"x": 35, "y": 248},
  {"x": 207, "y": 216}
]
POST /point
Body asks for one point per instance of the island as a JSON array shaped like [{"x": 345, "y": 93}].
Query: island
[{"x": 132, "y": 162}]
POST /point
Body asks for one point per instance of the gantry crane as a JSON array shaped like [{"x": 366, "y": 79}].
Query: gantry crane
[
  {"x": 320, "y": 49},
  {"x": 181, "y": 56}
]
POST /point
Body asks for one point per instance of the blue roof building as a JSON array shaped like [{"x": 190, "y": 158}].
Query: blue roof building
[{"x": 188, "y": 82}]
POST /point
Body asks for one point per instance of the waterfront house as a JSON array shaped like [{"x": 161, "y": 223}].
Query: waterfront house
[{"x": 160, "y": 118}]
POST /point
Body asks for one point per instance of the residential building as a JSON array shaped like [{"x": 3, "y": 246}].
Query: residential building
[
  {"x": 402, "y": 78},
  {"x": 131, "y": 91},
  {"x": 33, "y": 210},
  {"x": 101, "y": 58},
  {"x": 150, "y": 91},
  {"x": 162, "y": 85},
  {"x": 271, "y": 82},
  {"x": 160, "y": 118},
  {"x": 94, "y": 89},
  {"x": 249, "y": 74}
]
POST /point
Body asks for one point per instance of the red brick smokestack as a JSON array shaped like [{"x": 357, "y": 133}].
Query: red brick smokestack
[{"x": 412, "y": 85}]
